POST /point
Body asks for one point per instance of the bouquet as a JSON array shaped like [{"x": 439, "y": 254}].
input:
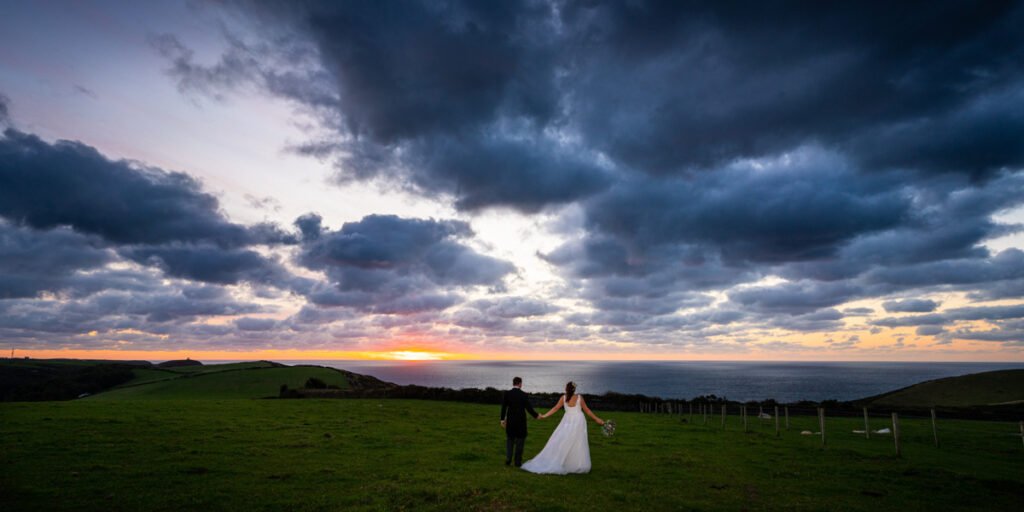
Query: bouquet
[{"x": 608, "y": 429}]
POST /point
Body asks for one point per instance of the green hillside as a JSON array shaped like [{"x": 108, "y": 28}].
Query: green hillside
[
  {"x": 153, "y": 373},
  {"x": 988, "y": 388},
  {"x": 222, "y": 367},
  {"x": 258, "y": 380}
]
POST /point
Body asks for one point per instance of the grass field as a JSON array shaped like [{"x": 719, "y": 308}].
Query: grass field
[
  {"x": 418, "y": 455},
  {"x": 214, "y": 382}
]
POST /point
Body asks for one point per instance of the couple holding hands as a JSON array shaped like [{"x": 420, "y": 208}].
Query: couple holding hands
[{"x": 567, "y": 450}]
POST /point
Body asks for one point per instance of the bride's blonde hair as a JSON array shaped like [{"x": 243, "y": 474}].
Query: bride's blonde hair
[{"x": 570, "y": 388}]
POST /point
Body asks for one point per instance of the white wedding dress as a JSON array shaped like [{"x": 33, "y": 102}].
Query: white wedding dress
[{"x": 567, "y": 450}]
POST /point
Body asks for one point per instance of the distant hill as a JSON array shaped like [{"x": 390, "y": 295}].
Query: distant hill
[
  {"x": 1002, "y": 387},
  {"x": 179, "y": 363},
  {"x": 259, "y": 379},
  {"x": 66, "y": 379}
]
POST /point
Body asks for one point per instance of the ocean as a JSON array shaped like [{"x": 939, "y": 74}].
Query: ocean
[{"x": 783, "y": 381}]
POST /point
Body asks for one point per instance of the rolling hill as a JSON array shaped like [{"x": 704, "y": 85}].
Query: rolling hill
[
  {"x": 1001, "y": 387},
  {"x": 259, "y": 379}
]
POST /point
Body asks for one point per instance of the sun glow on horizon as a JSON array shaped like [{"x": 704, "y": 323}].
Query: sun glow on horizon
[{"x": 414, "y": 355}]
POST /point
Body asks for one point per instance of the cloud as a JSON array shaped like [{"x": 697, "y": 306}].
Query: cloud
[
  {"x": 657, "y": 87},
  {"x": 255, "y": 324},
  {"x": 783, "y": 213},
  {"x": 1006, "y": 265},
  {"x": 929, "y": 330},
  {"x": 115, "y": 311},
  {"x": 703, "y": 149},
  {"x": 123, "y": 202},
  {"x": 667, "y": 87},
  {"x": 211, "y": 264},
  {"x": 144, "y": 214},
  {"x": 910, "y": 306},
  {"x": 389, "y": 264},
  {"x": 50, "y": 261},
  {"x": 727, "y": 175},
  {"x": 992, "y": 314},
  {"x": 5, "y": 111},
  {"x": 827, "y": 319}
]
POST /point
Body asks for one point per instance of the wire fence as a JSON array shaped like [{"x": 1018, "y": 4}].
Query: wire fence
[{"x": 912, "y": 429}]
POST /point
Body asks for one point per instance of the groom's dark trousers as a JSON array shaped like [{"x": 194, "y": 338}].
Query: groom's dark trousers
[{"x": 514, "y": 406}]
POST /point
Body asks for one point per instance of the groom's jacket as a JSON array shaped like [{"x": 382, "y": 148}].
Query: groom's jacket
[{"x": 514, "y": 406}]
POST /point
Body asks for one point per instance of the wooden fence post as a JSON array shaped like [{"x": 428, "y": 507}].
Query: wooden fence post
[
  {"x": 776, "y": 421},
  {"x": 821, "y": 423},
  {"x": 744, "y": 418},
  {"x": 787, "y": 418},
  {"x": 690, "y": 420},
  {"x": 935, "y": 430},
  {"x": 896, "y": 432},
  {"x": 867, "y": 429},
  {"x": 723, "y": 416}
]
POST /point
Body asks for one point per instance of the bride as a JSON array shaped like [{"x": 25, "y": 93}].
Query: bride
[{"x": 567, "y": 450}]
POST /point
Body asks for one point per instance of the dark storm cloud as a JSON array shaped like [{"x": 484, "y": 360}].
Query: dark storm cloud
[
  {"x": 209, "y": 263},
  {"x": 426, "y": 67},
  {"x": 1006, "y": 265},
  {"x": 910, "y": 306},
  {"x": 503, "y": 316},
  {"x": 255, "y": 324},
  {"x": 974, "y": 313},
  {"x": 389, "y": 264},
  {"x": 929, "y": 330},
  {"x": 146, "y": 215},
  {"x": 33, "y": 262},
  {"x": 781, "y": 214},
  {"x": 513, "y": 307},
  {"x": 5, "y": 112},
  {"x": 656, "y": 87},
  {"x": 119, "y": 310},
  {"x": 457, "y": 98},
  {"x": 827, "y": 319},
  {"x": 124, "y": 202},
  {"x": 855, "y": 150},
  {"x": 858, "y": 311},
  {"x": 711, "y": 82},
  {"x": 795, "y": 298}
]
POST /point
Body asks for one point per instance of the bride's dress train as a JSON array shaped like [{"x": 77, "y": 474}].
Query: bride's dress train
[{"x": 567, "y": 450}]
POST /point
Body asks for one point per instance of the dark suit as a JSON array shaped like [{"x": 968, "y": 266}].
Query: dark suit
[{"x": 514, "y": 406}]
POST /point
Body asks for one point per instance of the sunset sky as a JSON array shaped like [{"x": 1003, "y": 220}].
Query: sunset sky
[{"x": 512, "y": 180}]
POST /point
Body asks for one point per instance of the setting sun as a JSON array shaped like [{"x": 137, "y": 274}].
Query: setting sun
[{"x": 414, "y": 355}]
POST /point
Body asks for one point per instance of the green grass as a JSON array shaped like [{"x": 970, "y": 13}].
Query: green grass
[
  {"x": 147, "y": 375},
  {"x": 420, "y": 455},
  {"x": 208, "y": 368},
  {"x": 248, "y": 382},
  {"x": 987, "y": 388},
  {"x": 144, "y": 375}
]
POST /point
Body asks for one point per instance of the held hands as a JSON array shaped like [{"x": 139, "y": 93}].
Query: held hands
[{"x": 503, "y": 423}]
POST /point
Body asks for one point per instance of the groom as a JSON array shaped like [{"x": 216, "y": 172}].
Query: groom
[{"x": 514, "y": 406}]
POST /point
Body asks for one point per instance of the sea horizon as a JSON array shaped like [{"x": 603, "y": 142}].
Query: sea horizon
[{"x": 786, "y": 381}]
